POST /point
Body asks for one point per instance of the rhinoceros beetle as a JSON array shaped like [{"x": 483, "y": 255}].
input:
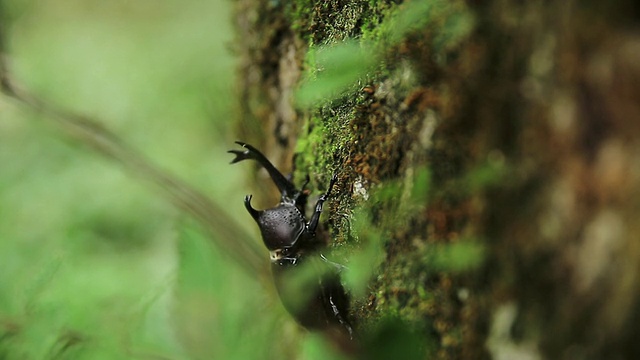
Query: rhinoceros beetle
[{"x": 291, "y": 241}]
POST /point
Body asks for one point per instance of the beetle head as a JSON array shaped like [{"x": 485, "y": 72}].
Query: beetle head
[{"x": 281, "y": 227}]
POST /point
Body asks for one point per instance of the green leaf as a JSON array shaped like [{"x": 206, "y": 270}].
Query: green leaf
[
  {"x": 457, "y": 257},
  {"x": 364, "y": 263},
  {"x": 337, "y": 68}
]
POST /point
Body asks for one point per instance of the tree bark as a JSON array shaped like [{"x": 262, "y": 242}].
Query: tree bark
[{"x": 528, "y": 128}]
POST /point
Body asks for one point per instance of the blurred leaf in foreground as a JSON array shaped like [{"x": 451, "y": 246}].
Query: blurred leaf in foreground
[{"x": 336, "y": 68}]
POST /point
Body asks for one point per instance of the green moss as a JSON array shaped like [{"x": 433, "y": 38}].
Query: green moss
[
  {"x": 327, "y": 22},
  {"x": 385, "y": 234},
  {"x": 299, "y": 12},
  {"x": 450, "y": 22}
]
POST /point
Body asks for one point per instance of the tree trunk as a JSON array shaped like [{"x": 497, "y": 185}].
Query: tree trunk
[{"x": 525, "y": 133}]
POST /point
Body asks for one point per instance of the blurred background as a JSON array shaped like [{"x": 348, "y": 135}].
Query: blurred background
[{"x": 95, "y": 264}]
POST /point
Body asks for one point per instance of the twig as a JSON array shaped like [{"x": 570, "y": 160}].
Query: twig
[{"x": 232, "y": 239}]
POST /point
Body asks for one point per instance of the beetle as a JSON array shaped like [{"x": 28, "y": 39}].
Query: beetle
[{"x": 292, "y": 244}]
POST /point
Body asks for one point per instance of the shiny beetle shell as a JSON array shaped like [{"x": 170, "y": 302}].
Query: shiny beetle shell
[{"x": 290, "y": 239}]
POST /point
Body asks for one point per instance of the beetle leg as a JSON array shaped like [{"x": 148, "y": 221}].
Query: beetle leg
[
  {"x": 313, "y": 223},
  {"x": 335, "y": 299},
  {"x": 287, "y": 189},
  {"x": 301, "y": 197},
  {"x": 338, "y": 314}
]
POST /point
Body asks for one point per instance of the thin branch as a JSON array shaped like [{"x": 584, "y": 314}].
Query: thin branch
[{"x": 232, "y": 239}]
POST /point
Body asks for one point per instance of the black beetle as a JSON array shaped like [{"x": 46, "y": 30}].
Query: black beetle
[{"x": 291, "y": 242}]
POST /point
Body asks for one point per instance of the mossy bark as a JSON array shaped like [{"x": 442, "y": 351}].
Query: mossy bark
[{"x": 530, "y": 130}]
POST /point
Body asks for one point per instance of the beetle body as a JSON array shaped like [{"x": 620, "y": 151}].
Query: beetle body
[{"x": 292, "y": 244}]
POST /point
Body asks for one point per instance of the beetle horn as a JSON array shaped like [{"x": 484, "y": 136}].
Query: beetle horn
[{"x": 247, "y": 204}]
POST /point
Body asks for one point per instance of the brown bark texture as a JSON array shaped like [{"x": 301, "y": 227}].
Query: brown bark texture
[{"x": 528, "y": 128}]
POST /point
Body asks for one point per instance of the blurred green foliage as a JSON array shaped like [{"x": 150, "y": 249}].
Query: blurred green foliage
[
  {"x": 450, "y": 21},
  {"x": 94, "y": 264},
  {"x": 337, "y": 68},
  {"x": 342, "y": 67},
  {"x": 393, "y": 338},
  {"x": 463, "y": 255},
  {"x": 365, "y": 262}
]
